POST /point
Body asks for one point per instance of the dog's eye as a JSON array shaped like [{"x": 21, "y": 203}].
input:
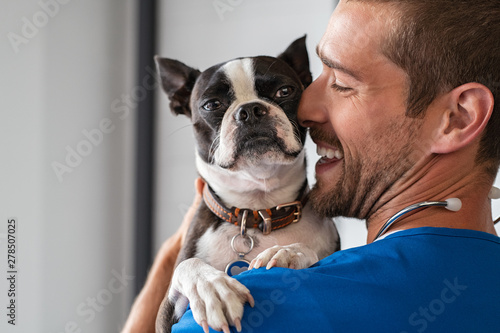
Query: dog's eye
[
  {"x": 284, "y": 92},
  {"x": 212, "y": 105}
]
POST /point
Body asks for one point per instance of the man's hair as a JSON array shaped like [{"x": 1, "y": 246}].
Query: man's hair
[{"x": 442, "y": 44}]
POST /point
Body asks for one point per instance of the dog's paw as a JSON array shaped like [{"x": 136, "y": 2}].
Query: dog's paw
[
  {"x": 295, "y": 256},
  {"x": 216, "y": 299}
]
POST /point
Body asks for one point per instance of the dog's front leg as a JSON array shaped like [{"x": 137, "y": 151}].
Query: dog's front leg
[
  {"x": 295, "y": 256},
  {"x": 216, "y": 299}
]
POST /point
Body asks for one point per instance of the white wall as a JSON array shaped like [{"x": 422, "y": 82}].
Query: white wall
[
  {"x": 74, "y": 231},
  {"x": 203, "y": 33}
]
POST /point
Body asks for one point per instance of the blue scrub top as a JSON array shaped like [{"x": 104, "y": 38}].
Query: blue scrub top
[{"x": 417, "y": 280}]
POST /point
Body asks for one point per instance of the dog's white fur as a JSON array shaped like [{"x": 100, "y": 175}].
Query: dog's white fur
[{"x": 262, "y": 183}]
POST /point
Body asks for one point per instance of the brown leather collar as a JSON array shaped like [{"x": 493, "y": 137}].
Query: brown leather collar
[{"x": 264, "y": 219}]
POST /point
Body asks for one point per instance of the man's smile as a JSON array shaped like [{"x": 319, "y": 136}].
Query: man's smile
[{"x": 330, "y": 157}]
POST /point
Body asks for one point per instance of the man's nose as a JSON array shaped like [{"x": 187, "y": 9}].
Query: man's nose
[{"x": 312, "y": 107}]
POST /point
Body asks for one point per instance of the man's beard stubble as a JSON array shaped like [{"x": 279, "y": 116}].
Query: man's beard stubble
[
  {"x": 361, "y": 184},
  {"x": 331, "y": 200}
]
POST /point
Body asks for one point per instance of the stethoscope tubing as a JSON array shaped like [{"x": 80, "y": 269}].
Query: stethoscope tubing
[{"x": 408, "y": 209}]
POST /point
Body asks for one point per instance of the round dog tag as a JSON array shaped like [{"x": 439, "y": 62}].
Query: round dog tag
[{"x": 236, "y": 267}]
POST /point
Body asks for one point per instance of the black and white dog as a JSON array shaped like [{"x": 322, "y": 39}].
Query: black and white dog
[{"x": 250, "y": 153}]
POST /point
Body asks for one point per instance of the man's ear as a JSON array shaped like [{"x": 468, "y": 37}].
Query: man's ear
[
  {"x": 469, "y": 109},
  {"x": 177, "y": 80},
  {"x": 296, "y": 57}
]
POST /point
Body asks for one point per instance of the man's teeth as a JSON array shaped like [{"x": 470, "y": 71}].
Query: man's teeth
[{"x": 329, "y": 153}]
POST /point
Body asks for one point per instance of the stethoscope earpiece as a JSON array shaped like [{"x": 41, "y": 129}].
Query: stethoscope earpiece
[
  {"x": 494, "y": 193},
  {"x": 453, "y": 204}
]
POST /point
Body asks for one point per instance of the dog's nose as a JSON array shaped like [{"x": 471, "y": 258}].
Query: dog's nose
[{"x": 251, "y": 112}]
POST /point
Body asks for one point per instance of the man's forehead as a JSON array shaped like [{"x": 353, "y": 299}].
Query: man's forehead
[
  {"x": 360, "y": 22},
  {"x": 356, "y": 30}
]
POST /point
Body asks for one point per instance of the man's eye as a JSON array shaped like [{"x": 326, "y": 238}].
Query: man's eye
[
  {"x": 284, "y": 92},
  {"x": 212, "y": 105},
  {"x": 340, "y": 88}
]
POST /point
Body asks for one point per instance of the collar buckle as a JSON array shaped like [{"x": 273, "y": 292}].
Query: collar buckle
[{"x": 298, "y": 211}]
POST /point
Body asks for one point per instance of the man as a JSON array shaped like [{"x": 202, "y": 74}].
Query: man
[{"x": 407, "y": 96}]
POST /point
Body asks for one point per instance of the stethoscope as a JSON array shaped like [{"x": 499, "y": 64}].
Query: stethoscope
[{"x": 452, "y": 204}]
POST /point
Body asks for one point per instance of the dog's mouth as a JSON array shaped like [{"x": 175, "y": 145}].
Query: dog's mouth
[
  {"x": 259, "y": 147},
  {"x": 258, "y": 140},
  {"x": 259, "y": 143}
]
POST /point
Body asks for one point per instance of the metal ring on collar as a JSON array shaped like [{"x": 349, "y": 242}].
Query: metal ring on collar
[{"x": 241, "y": 254}]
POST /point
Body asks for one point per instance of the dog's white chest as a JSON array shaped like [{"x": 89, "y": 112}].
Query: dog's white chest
[{"x": 214, "y": 247}]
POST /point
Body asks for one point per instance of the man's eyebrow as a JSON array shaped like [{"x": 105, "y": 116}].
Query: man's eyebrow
[{"x": 335, "y": 65}]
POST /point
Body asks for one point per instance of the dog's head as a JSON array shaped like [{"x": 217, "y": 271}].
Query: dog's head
[{"x": 244, "y": 111}]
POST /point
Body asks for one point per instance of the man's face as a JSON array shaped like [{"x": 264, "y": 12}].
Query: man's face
[{"x": 356, "y": 114}]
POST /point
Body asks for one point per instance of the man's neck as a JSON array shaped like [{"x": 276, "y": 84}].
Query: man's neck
[{"x": 432, "y": 182}]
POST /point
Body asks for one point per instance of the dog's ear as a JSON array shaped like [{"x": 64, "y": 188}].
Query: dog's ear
[
  {"x": 177, "y": 80},
  {"x": 296, "y": 56}
]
